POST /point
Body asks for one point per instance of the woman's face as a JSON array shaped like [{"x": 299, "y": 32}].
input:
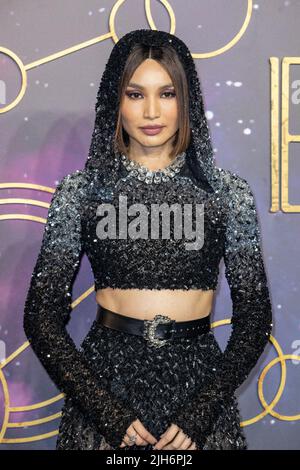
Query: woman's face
[{"x": 150, "y": 99}]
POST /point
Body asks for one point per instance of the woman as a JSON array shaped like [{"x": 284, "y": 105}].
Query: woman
[{"x": 150, "y": 370}]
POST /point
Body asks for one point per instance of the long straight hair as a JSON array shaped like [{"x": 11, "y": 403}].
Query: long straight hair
[{"x": 168, "y": 58}]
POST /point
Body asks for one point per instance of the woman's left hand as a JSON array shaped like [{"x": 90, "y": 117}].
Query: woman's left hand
[{"x": 174, "y": 439}]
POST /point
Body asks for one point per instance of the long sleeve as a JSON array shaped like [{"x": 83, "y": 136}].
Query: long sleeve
[
  {"x": 251, "y": 316},
  {"x": 47, "y": 311}
]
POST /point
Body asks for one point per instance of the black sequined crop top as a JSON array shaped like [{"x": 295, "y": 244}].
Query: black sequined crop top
[
  {"x": 126, "y": 248},
  {"x": 131, "y": 257}
]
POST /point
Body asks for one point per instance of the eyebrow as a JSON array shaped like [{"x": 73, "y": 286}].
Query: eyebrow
[{"x": 132, "y": 84}]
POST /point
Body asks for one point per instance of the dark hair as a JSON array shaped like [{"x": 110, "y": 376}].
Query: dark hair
[{"x": 168, "y": 58}]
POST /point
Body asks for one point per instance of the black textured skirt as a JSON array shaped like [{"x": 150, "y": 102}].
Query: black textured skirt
[{"x": 152, "y": 381}]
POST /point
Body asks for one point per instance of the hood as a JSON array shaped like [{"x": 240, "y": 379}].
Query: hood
[{"x": 102, "y": 157}]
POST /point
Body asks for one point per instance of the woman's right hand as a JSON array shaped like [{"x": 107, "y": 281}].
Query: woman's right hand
[{"x": 143, "y": 436}]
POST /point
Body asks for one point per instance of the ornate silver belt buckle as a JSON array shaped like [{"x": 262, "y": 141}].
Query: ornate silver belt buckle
[{"x": 150, "y": 327}]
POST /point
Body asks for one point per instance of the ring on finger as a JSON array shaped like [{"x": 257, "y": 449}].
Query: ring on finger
[{"x": 132, "y": 439}]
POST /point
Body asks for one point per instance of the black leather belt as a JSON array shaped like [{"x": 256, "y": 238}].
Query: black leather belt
[{"x": 158, "y": 331}]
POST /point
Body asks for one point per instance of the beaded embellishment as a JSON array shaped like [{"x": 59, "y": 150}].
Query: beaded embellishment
[{"x": 153, "y": 176}]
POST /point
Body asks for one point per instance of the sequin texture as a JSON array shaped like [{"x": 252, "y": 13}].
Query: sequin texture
[
  {"x": 153, "y": 381},
  {"x": 114, "y": 378}
]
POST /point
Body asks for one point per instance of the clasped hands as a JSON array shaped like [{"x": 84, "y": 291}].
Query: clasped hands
[{"x": 172, "y": 439}]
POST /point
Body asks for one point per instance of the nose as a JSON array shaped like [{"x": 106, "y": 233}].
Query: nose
[{"x": 151, "y": 108}]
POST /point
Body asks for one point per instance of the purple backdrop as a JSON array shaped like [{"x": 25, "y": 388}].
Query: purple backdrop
[{"x": 47, "y": 116}]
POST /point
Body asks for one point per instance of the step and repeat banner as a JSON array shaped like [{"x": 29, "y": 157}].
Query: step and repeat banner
[{"x": 52, "y": 56}]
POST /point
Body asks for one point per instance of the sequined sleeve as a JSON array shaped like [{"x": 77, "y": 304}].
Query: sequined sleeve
[
  {"x": 251, "y": 316},
  {"x": 47, "y": 311}
]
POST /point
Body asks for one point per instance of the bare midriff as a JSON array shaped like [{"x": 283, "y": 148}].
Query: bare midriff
[{"x": 144, "y": 304}]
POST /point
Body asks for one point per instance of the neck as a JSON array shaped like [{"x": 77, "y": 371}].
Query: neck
[{"x": 153, "y": 162}]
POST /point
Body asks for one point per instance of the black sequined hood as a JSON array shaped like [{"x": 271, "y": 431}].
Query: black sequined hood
[{"x": 199, "y": 154}]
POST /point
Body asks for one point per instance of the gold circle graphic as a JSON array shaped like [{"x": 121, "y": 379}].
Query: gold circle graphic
[
  {"x": 21, "y": 66},
  {"x": 281, "y": 358},
  {"x": 195, "y": 55},
  {"x": 112, "y": 34}
]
